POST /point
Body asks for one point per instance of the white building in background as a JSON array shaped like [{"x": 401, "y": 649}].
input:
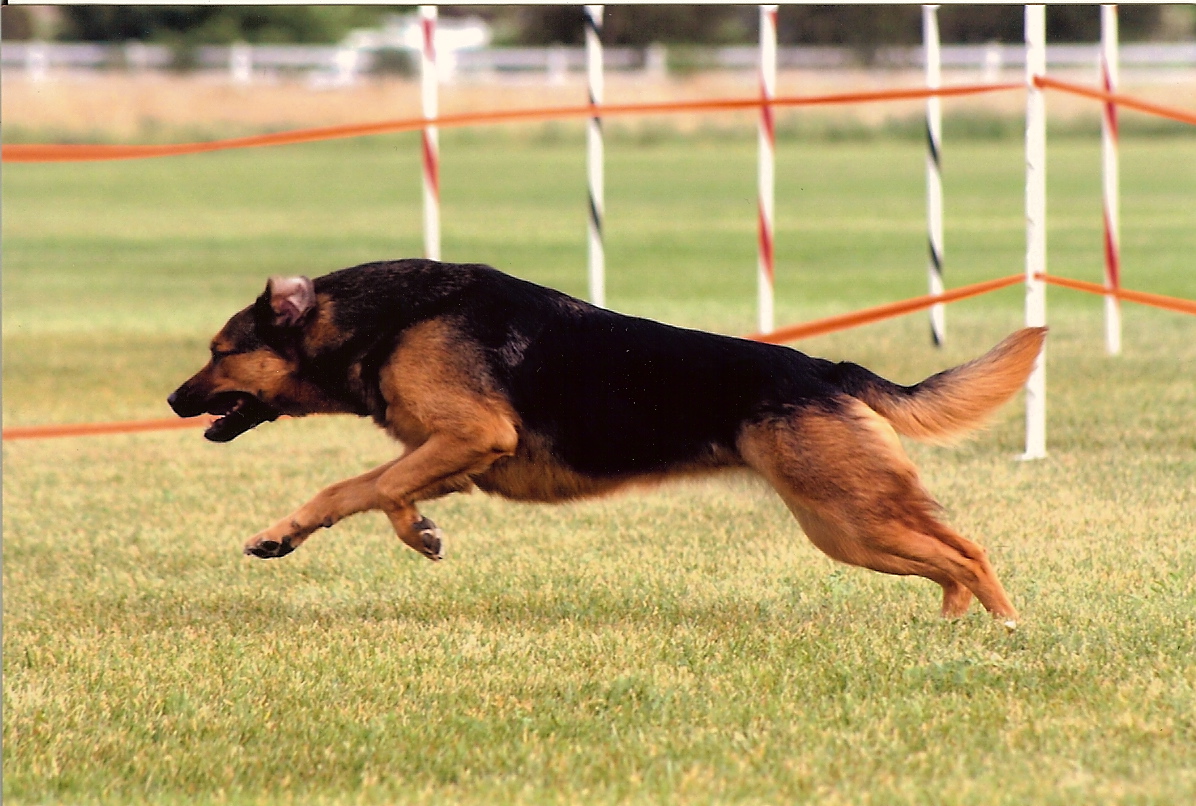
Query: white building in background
[{"x": 453, "y": 35}]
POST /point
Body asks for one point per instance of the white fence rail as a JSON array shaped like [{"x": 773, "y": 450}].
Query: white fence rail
[{"x": 242, "y": 62}]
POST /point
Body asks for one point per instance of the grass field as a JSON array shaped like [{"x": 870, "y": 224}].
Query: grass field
[{"x": 682, "y": 644}]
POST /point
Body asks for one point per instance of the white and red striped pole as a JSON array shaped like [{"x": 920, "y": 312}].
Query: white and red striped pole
[
  {"x": 1108, "y": 130},
  {"x": 766, "y": 268},
  {"x": 429, "y": 85},
  {"x": 1035, "y": 225},
  {"x": 934, "y": 170},
  {"x": 595, "y": 155}
]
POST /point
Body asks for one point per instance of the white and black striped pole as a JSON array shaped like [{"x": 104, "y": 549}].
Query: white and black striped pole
[
  {"x": 595, "y": 155},
  {"x": 1108, "y": 130},
  {"x": 1035, "y": 225},
  {"x": 431, "y": 140},
  {"x": 765, "y": 264},
  {"x": 934, "y": 170}
]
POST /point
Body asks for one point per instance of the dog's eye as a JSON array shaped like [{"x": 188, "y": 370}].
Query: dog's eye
[{"x": 219, "y": 354}]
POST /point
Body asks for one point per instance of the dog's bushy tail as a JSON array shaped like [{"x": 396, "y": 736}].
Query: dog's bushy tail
[{"x": 956, "y": 400}]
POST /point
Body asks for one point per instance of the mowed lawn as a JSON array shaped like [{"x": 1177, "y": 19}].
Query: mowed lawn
[{"x": 678, "y": 644}]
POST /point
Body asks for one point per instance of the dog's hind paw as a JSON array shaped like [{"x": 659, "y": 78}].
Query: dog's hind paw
[{"x": 431, "y": 539}]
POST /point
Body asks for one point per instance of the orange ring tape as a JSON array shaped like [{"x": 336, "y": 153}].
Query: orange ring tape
[
  {"x": 785, "y": 334},
  {"x": 1143, "y": 298},
  {"x": 80, "y": 153},
  {"x": 867, "y": 316},
  {"x": 1127, "y": 101},
  {"x": 59, "y": 153},
  {"x": 88, "y": 429},
  {"x": 817, "y": 327}
]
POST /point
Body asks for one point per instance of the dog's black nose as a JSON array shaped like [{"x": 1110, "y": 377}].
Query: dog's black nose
[{"x": 183, "y": 404}]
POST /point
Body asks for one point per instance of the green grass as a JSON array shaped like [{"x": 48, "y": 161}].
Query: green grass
[{"x": 679, "y": 644}]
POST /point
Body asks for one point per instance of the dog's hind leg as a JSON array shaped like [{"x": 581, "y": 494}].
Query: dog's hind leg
[
  {"x": 891, "y": 546},
  {"x": 844, "y": 475}
]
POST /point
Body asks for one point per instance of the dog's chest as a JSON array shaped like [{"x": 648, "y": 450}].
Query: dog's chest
[{"x": 535, "y": 473}]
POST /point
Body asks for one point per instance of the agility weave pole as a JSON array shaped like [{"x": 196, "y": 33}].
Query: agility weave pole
[
  {"x": 1109, "y": 176},
  {"x": 1035, "y": 225},
  {"x": 595, "y": 155},
  {"x": 934, "y": 170},
  {"x": 766, "y": 173},
  {"x": 429, "y": 87}
]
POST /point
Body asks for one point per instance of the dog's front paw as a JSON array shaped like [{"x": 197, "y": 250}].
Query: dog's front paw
[
  {"x": 430, "y": 540},
  {"x": 267, "y": 548}
]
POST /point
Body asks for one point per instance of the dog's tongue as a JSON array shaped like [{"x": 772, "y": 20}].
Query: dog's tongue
[
  {"x": 249, "y": 413},
  {"x": 229, "y": 427}
]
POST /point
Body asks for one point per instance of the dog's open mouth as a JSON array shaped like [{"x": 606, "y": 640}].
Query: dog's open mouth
[{"x": 238, "y": 412}]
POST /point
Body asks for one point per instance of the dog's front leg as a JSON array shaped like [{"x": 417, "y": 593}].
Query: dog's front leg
[
  {"x": 444, "y": 463},
  {"x": 332, "y": 504}
]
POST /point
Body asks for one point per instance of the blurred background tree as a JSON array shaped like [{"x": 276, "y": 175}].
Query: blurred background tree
[
  {"x": 864, "y": 27},
  {"x": 217, "y": 24},
  {"x": 639, "y": 25},
  {"x": 859, "y": 26}
]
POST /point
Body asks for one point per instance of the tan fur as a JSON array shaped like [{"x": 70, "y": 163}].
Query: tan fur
[
  {"x": 960, "y": 399},
  {"x": 532, "y": 473},
  {"x": 857, "y": 496},
  {"x": 839, "y": 466},
  {"x": 433, "y": 383},
  {"x": 322, "y": 335},
  {"x": 453, "y": 427},
  {"x": 269, "y": 376}
]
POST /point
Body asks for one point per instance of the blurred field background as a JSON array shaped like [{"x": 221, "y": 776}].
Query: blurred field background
[
  {"x": 682, "y": 644},
  {"x": 165, "y": 106}
]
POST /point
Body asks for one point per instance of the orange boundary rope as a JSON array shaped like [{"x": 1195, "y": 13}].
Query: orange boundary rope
[
  {"x": 1182, "y": 115},
  {"x": 878, "y": 313},
  {"x": 804, "y": 330},
  {"x": 89, "y": 429},
  {"x": 814, "y": 328},
  {"x": 75, "y": 153},
  {"x": 82, "y": 153},
  {"x": 1141, "y": 297}
]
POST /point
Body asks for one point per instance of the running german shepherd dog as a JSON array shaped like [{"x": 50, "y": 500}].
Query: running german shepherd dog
[{"x": 492, "y": 382}]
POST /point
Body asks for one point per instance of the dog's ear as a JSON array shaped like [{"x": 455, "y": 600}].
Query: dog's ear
[{"x": 291, "y": 299}]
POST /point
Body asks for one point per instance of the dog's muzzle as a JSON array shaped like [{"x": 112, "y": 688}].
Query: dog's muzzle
[{"x": 236, "y": 412}]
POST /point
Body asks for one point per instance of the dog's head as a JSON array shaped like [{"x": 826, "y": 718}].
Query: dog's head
[{"x": 253, "y": 374}]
